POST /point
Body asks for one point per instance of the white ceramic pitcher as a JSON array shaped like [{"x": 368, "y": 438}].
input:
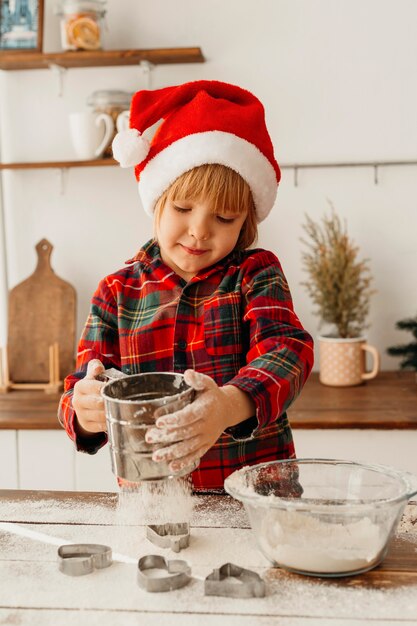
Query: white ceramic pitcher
[{"x": 91, "y": 133}]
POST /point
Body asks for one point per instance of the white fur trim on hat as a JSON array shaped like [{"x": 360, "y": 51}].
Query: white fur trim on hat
[
  {"x": 130, "y": 147},
  {"x": 210, "y": 147}
]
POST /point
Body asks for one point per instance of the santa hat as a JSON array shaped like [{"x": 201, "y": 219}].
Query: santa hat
[{"x": 203, "y": 122}]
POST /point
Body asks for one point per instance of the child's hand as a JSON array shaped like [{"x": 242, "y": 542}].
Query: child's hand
[
  {"x": 198, "y": 426},
  {"x": 87, "y": 401}
]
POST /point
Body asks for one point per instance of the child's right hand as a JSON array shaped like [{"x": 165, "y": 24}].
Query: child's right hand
[{"x": 87, "y": 401}]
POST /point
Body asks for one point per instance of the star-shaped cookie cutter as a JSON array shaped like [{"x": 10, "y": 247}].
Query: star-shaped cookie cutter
[
  {"x": 178, "y": 573},
  {"x": 245, "y": 583},
  {"x": 78, "y": 559},
  {"x": 174, "y": 536}
]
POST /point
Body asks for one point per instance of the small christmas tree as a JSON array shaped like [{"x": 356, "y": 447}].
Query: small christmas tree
[
  {"x": 409, "y": 350},
  {"x": 339, "y": 284}
]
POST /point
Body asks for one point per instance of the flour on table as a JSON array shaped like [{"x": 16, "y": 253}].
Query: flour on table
[
  {"x": 97, "y": 510},
  {"x": 407, "y": 529}
]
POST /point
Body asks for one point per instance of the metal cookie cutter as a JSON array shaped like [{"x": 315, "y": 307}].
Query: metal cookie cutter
[
  {"x": 247, "y": 584},
  {"x": 178, "y": 573},
  {"x": 78, "y": 559},
  {"x": 174, "y": 536}
]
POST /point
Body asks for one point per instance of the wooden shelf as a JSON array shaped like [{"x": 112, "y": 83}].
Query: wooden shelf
[
  {"x": 98, "y": 58},
  {"x": 388, "y": 402},
  {"x": 101, "y": 58},
  {"x": 58, "y": 164}
]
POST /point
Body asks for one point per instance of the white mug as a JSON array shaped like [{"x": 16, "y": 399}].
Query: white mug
[
  {"x": 122, "y": 122},
  {"x": 91, "y": 133}
]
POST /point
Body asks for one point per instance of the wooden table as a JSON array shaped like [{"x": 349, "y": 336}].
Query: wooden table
[{"x": 33, "y": 591}]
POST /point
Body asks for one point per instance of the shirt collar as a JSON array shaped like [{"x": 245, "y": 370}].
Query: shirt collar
[{"x": 149, "y": 256}]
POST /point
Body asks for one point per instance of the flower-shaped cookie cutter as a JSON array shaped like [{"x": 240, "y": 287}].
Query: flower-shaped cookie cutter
[
  {"x": 78, "y": 559},
  {"x": 174, "y": 536},
  {"x": 178, "y": 573},
  {"x": 232, "y": 581}
]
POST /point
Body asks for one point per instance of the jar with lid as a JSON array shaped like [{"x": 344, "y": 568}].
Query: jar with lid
[
  {"x": 113, "y": 102},
  {"x": 81, "y": 24}
]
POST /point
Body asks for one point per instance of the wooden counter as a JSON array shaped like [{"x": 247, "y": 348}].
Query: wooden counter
[
  {"x": 388, "y": 402},
  {"x": 34, "y": 523}
]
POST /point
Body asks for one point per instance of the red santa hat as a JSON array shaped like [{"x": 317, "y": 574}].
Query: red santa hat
[{"x": 203, "y": 122}]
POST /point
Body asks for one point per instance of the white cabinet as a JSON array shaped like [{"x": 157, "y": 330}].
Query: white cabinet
[
  {"x": 8, "y": 460},
  {"x": 93, "y": 472},
  {"x": 47, "y": 459},
  {"x": 397, "y": 448}
]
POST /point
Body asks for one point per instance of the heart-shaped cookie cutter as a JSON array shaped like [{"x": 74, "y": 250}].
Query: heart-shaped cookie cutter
[
  {"x": 78, "y": 559},
  {"x": 175, "y": 536},
  {"x": 219, "y": 583},
  {"x": 178, "y": 573}
]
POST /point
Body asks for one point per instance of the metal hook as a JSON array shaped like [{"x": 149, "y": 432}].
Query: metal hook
[
  {"x": 295, "y": 176},
  {"x": 63, "y": 180},
  {"x": 147, "y": 67},
  {"x": 376, "y": 174},
  {"x": 59, "y": 72}
]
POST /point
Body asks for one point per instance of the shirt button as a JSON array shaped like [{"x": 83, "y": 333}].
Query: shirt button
[{"x": 182, "y": 344}]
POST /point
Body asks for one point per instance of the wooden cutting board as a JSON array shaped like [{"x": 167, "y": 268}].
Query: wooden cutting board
[{"x": 42, "y": 311}]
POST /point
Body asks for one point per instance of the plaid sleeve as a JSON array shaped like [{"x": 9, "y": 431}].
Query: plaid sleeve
[
  {"x": 280, "y": 355},
  {"x": 100, "y": 340}
]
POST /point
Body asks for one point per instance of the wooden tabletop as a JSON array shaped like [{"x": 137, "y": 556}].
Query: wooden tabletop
[
  {"x": 388, "y": 402},
  {"x": 33, "y": 591}
]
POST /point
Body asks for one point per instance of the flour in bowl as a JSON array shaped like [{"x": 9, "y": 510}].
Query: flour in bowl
[{"x": 304, "y": 543}]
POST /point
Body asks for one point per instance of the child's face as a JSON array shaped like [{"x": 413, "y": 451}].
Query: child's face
[{"x": 192, "y": 238}]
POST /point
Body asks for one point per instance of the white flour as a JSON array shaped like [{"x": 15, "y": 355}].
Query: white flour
[
  {"x": 125, "y": 508},
  {"x": 304, "y": 543},
  {"x": 156, "y": 502}
]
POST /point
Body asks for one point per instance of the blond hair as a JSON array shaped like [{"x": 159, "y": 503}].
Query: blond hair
[{"x": 225, "y": 191}]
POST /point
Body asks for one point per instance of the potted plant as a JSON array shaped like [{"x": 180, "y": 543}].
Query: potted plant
[
  {"x": 407, "y": 351},
  {"x": 340, "y": 287}
]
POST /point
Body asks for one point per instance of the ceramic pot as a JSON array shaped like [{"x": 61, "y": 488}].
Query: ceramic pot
[{"x": 343, "y": 361}]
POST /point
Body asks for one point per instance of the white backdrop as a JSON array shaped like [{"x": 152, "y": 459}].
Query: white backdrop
[{"x": 338, "y": 80}]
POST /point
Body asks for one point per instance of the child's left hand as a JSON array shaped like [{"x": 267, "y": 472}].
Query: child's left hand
[{"x": 198, "y": 426}]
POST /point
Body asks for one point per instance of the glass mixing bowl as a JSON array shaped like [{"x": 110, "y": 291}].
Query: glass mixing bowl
[{"x": 322, "y": 517}]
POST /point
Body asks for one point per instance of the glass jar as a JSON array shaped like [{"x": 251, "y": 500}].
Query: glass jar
[
  {"x": 113, "y": 102},
  {"x": 81, "y": 23}
]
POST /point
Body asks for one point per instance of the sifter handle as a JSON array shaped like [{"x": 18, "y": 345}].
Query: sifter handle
[{"x": 110, "y": 374}]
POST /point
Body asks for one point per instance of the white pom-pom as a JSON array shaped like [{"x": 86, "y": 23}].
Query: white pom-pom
[{"x": 130, "y": 147}]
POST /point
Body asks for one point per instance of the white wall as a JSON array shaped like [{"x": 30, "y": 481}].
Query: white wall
[{"x": 337, "y": 78}]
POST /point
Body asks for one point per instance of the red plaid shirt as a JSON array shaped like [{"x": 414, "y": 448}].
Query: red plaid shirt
[{"x": 233, "y": 321}]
